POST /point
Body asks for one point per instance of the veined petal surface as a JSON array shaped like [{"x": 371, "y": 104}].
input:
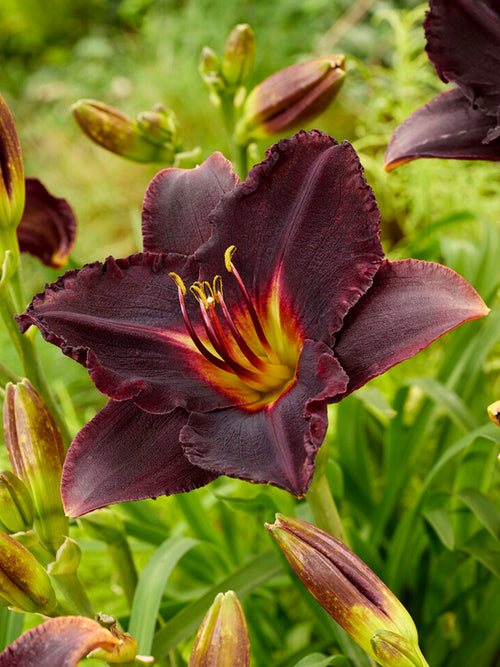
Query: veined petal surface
[
  {"x": 463, "y": 44},
  {"x": 304, "y": 219},
  {"x": 410, "y": 304},
  {"x": 59, "y": 642},
  {"x": 177, "y": 204},
  {"x": 122, "y": 320},
  {"x": 125, "y": 453},
  {"x": 276, "y": 444},
  {"x": 446, "y": 127}
]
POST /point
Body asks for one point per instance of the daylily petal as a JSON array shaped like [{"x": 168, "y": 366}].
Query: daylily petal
[
  {"x": 304, "y": 219},
  {"x": 463, "y": 44},
  {"x": 446, "y": 127},
  {"x": 178, "y": 201},
  {"x": 125, "y": 453},
  {"x": 59, "y": 642},
  {"x": 410, "y": 304},
  {"x": 122, "y": 320},
  {"x": 277, "y": 444},
  {"x": 48, "y": 227}
]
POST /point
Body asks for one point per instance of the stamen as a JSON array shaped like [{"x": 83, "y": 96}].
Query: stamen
[
  {"x": 253, "y": 314},
  {"x": 206, "y": 353}
]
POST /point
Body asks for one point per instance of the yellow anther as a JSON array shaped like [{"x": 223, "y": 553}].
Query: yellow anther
[
  {"x": 228, "y": 256},
  {"x": 197, "y": 289},
  {"x": 217, "y": 288},
  {"x": 178, "y": 281}
]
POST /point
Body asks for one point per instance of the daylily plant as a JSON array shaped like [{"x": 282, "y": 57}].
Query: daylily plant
[
  {"x": 463, "y": 44},
  {"x": 252, "y": 307}
]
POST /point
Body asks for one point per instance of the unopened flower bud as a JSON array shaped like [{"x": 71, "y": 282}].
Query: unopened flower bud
[
  {"x": 125, "y": 650},
  {"x": 103, "y": 525},
  {"x": 222, "y": 640},
  {"x": 160, "y": 126},
  {"x": 239, "y": 55},
  {"x": 36, "y": 453},
  {"x": 16, "y": 504},
  {"x": 494, "y": 412},
  {"x": 391, "y": 650},
  {"x": 290, "y": 98},
  {"x": 343, "y": 584},
  {"x": 119, "y": 133},
  {"x": 67, "y": 559},
  {"x": 23, "y": 581},
  {"x": 210, "y": 70},
  {"x": 11, "y": 172}
]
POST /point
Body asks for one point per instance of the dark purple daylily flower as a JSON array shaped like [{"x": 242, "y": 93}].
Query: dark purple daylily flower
[
  {"x": 48, "y": 227},
  {"x": 463, "y": 44},
  {"x": 291, "y": 306}
]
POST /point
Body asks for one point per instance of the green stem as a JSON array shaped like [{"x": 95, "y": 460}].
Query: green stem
[
  {"x": 122, "y": 557},
  {"x": 242, "y": 160},
  {"x": 73, "y": 591},
  {"x": 195, "y": 515},
  {"x": 25, "y": 347},
  {"x": 10, "y": 375},
  {"x": 321, "y": 502}
]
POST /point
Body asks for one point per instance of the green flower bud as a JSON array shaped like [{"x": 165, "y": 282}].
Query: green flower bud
[
  {"x": 16, "y": 504},
  {"x": 103, "y": 525},
  {"x": 160, "y": 126},
  {"x": 36, "y": 453},
  {"x": 343, "y": 584},
  {"x": 119, "y": 133},
  {"x": 290, "y": 98},
  {"x": 239, "y": 55},
  {"x": 222, "y": 640},
  {"x": 210, "y": 70},
  {"x": 126, "y": 648},
  {"x": 11, "y": 171},
  {"x": 23, "y": 581},
  {"x": 391, "y": 650},
  {"x": 67, "y": 559}
]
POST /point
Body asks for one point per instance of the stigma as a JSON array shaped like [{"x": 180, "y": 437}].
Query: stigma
[{"x": 239, "y": 346}]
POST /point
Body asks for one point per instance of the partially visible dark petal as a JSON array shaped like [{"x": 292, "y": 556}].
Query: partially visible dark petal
[
  {"x": 48, "y": 227},
  {"x": 446, "y": 127},
  {"x": 306, "y": 220},
  {"x": 125, "y": 453},
  {"x": 59, "y": 642},
  {"x": 410, "y": 304},
  {"x": 276, "y": 444},
  {"x": 463, "y": 44},
  {"x": 123, "y": 322},
  {"x": 178, "y": 201}
]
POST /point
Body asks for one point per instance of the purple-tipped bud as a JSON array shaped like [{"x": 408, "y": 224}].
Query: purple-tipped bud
[
  {"x": 16, "y": 504},
  {"x": 222, "y": 640},
  {"x": 290, "y": 98},
  {"x": 239, "y": 55},
  {"x": 23, "y": 581},
  {"x": 11, "y": 171},
  {"x": 36, "y": 453},
  {"x": 119, "y": 133},
  {"x": 341, "y": 582},
  {"x": 494, "y": 412}
]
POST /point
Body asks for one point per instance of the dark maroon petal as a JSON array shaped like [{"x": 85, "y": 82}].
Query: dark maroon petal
[
  {"x": 59, "y": 642},
  {"x": 48, "y": 227},
  {"x": 276, "y": 444},
  {"x": 305, "y": 219},
  {"x": 410, "y": 304},
  {"x": 125, "y": 453},
  {"x": 178, "y": 201},
  {"x": 463, "y": 44},
  {"x": 118, "y": 319},
  {"x": 445, "y": 127}
]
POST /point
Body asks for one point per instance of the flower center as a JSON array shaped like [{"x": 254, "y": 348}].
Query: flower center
[{"x": 239, "y": 345}]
